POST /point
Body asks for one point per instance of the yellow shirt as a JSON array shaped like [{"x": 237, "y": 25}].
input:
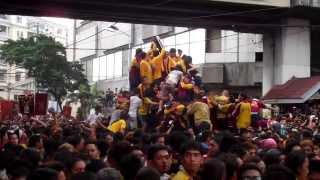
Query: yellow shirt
[
  {"x": 182, "y": 175},
  {"x": 144, "y": 109},
  {"x": 117, "y": 126},
  {"x": 146, "y": 70},
  {"x": 179, "y": 61},
  {"x": 157, "y": 63},
  {"x": 244, "y": 117},
  {"x": 187, "y": 86},
  {"x": 200, "y": 111}
]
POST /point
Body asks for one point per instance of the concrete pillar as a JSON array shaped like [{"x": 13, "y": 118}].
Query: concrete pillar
[
  {"x": 286, "y": 53},
  {"x": 268, "y": 63}
]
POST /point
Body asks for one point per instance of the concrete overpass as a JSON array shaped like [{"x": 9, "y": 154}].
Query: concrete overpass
[
  {"x": 290, "y": 27},
  {"x": 227, "y": 14}
]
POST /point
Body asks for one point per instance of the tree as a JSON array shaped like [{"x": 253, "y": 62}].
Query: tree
[
  {"x": 45, "y": 60},
  {"x": 88, "y": 97}
]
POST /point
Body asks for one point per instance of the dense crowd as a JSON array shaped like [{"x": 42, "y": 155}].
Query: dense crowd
[{"x": 166, "y": 127}]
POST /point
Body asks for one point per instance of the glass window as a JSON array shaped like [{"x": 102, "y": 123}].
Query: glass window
[
  {"x": 197, "y": 46},
  {"x": 118, "y": 64},
  {"x": 3, "y": 28},
  {"x": 95, "y": 69},
  {"x": 169, "y": 42},
  {"x": 110, "y": 66},
  {"x": 103, "y": 68},
  {"x": 182, "y": 42},
  {"x": 19, "y": 19},
  {"x": 18, "y": 76},
  {"x": 3, "y": 75}
]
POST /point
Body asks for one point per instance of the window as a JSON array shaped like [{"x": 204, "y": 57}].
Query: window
[
  {"x": 118, "y": 64},
  {"x": 59, "y": 31},
  {"x": 18, "y": 76},
  {"x": 19, "y": 19},
  {"x": 95, "y": 69},
  {"x": 3, "y": 75},
  {"x": 103, "y": 68},
  {"x": 197, "y": 46},
  {"x": 183, "y": 42},
  {"x": 110, "y": 66},
  {"x": 3, "y": 28}
]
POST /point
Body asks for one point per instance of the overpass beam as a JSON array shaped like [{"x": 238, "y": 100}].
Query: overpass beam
[{"x": 286, "y": 53}]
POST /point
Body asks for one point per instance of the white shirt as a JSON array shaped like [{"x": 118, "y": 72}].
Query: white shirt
[
  {"x": 92, "y": 119},
  {"x": 174, "y": 77},
  {"x": 135, "y": 102}
]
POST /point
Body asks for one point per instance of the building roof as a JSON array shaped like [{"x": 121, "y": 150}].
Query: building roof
[{"x": 295, "y": 90}]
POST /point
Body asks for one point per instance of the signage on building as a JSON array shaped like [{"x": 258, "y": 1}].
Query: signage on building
[{"x": 279, "y": 3}]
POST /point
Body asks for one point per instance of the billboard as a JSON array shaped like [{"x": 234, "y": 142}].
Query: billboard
[{"x": 279, "y": 3}]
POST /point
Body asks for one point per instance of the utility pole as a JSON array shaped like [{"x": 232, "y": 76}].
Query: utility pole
[
  {"x": 74, "y": 40},
  {"x": 238, "y": 47}
]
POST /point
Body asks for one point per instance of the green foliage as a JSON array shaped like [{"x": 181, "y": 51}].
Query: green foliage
[
  {"x": 88, "y": 97},
  {"x": 45, "y": 59}
]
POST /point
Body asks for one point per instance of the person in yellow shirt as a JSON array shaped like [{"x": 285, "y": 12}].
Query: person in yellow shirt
[
  {"x": 120, "y": 125},
  {"x": 145, "y": 67},
  {"x": 201, "y": 114},
  {"x": 145, "y": 84},
  {"x": 157, "y": 65},
  {"x": 134, "y": 72},
  {"x": 144, "y": 110},
  {"x": 176, "y": 59},
  {"x": 242, "y": 112},
  {"x": 191, "y": 161}
]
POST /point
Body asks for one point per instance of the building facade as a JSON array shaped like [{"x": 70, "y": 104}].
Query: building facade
[
  {"x": 106, "y": 49},
  {"x": 13, "y": 79}
]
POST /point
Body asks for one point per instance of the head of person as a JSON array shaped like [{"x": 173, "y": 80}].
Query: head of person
[
  {"x": 137, "y": 151},
  {"x": 250, "y": 172},
  {"x": 143, "y": 55},
  {"x": 192, "y": 158},
  {"x": 95, "y": 165},
  {"x": 173, "y": 52},
  {"x": 77, "y": 142},
  {"x": 109, "y": 174},
  {"x": 35, "y": 141},
  {"x": 77, "y": 166},
  {"x": 147, "y": 174},
  {"x": 44, "y": 173},
  {"x": 231, "y": 163},
  {"x": 129, "y": 166},
  {"x": 213, "y": 169},
  {"x": 13, "y": 138},
  {"x": 158, "y": 139},
  {"x": 98, "y": 109},
  {"x": 242, "y": 97},
  {"x": 84, "y": 176},
  {"x": 277, "y": 171},
  {"x": 59, "y": 167},
  {"x": 138, "y": 52},
  {"x": 117, "y": 151},
  {"x": 180, "y": 52},
  {"x": 159, "y": 158},
  {"x": 17, "y": 170},
  {"x": 307, "y": 147},
  {"x": 155, "y": 53},
  {"x": 92, "y": 150},
  {"x": 225, "y": 93},
  {"x": 298, "y": 162}
]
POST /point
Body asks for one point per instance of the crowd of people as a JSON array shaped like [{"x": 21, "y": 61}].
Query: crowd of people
[{"x": 168, "y": 127}]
